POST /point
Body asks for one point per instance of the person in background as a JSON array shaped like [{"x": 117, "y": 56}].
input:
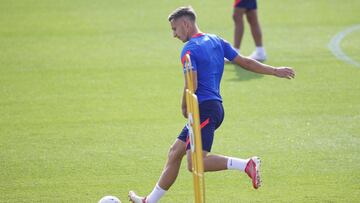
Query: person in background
[{"x": 248, "y": 8}]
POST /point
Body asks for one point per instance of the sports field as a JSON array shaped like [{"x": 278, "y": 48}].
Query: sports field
[{"x": 90, "y": 102}]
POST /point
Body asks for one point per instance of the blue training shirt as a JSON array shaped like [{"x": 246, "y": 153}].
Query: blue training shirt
[{"x": 207, "y": 52}]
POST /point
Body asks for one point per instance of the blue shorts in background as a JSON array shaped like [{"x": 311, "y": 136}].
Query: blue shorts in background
[
  {"x": 211, "y": 117},
  {"x": 247, "y": 4}
]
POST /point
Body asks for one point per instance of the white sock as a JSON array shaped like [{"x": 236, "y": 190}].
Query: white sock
[
  {"x": 155, "y": 195},
  {"x": 237, "y": 50},
  {"x": 237, "y": 164},
  {"x": 260, "y": 50}
]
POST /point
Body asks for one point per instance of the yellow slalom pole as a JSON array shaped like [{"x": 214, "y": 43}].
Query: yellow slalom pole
[{"x": 194, "y": 134}]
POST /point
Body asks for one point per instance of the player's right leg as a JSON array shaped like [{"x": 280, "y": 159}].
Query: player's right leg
[
  {"x": 211, "y": 117},
  {"x": 251, "y": 167}
]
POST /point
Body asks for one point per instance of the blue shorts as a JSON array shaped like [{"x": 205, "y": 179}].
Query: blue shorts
[
  {"x": 211, "y": 117},
  {"x": 247, "y": 4}
]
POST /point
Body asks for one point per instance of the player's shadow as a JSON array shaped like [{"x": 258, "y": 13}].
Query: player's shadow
[{"x": 241, "y": 74}]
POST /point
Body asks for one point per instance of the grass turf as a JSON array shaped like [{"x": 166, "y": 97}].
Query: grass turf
[{"x": 90, "y": 102}]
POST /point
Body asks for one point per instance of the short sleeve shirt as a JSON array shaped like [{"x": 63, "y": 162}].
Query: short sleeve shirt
[{"x": 207, "y": 53}]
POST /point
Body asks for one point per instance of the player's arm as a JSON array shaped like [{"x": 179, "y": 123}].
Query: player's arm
[
  {"x": 183, "y": 102},
  {"x": 257, "y": 67}
]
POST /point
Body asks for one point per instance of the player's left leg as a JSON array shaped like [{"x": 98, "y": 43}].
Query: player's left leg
[
  {"x": 252, "y": 17},
  {"x": 172, "y": 166},
  {"x": 168, "y": 176}
]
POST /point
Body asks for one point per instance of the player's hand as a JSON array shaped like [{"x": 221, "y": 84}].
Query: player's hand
[{"x": 284, "y": 72}]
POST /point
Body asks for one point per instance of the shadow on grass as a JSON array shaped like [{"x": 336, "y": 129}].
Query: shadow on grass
[{"x": 241, "y": 74}]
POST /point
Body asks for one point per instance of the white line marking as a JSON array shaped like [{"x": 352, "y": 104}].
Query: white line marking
[{"x": 335, "y": 48}]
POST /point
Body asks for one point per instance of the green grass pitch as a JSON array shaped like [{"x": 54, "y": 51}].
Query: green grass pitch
[{"x": 90, "y": 102}]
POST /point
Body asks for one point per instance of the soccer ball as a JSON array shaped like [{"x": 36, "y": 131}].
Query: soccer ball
[{"x": 109, "y": 199}]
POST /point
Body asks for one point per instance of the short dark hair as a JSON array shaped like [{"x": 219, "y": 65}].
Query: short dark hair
[{"x": 187, "y": 11}]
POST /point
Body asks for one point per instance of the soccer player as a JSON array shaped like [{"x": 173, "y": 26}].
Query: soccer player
[
  {"x": 248, "y": 8},
  {"x": 207, "y": 52}
]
